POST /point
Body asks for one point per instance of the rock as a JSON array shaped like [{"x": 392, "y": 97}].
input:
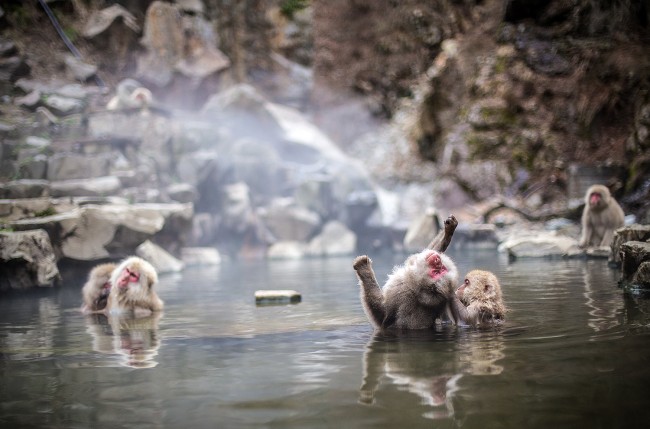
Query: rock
[
  {"x": 634, "y": 232},
  {"x": 101, "y": 20},
  {"x": 477, "y": 236},
  {"x": 277, "y": 297},
  {"x": 25, "y": 188},
  {"x": 63, "y": 106},
  {"x": 78, "y": 69},
  {"x": 188, "y": 46},
  {"x": 13, "y": 68},
  {"x": 635, "y": 263},
  {"x": 7, "y": 46},
  {"x": 34, "y": 168},
  {"x": 182, "y": 193},
  {"x": 287, "y": 250},
  {"x": 490, "y": 114},
  {"x": 642, "y": 275},
  {"x": 66, "y": 166},
  {"x": 113, "y": 231},
  {"x": 201, "y": 256},
  {"x": 27, "y": 260},
  {"x": 73, "y": 90},
  {"x": 289, "y": 222},
  {"x": 30, "y": 101},
  {"x": 92, "y": 187},
  {"x": 162, "y": 260},
  {"x": 421, "y": 231},
  {"x": 23, "y": 208},
  {"x": 334, "y": 240},
  {"x": 542, "y": 245}
]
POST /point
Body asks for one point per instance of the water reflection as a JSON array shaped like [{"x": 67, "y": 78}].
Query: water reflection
[
  {"x": 429, "y": 364},
  {"x": 135, "y": 340},
  {"x": 605, "y": 307}
]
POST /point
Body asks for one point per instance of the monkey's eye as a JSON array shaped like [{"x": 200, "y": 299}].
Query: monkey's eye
[
  {"x": 467, "y": 282},
  {"x": 132, "y": 274}
]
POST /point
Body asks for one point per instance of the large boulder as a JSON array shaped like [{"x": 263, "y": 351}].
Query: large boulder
[
  {"x": 27, "y": 260},
  {"x": 542, "y": 245},
  {"x": 95, "y": 232},
  {"x": 633, "y": 232},
  {"x": 334, "y": 240},
  {"x": 290, "y": 222},
  {"x": 635, "y": 263}
]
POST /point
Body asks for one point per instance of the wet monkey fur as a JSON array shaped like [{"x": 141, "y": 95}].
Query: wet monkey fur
[
  {"x": 132, "y": 284},
  {"x": 97, "y": 288},
  {"x": 601, "y": 217},
  {"x": 122, "y": 289},
  {"x": 479, "y": 299},
  {"x": 416, "y": 293}
]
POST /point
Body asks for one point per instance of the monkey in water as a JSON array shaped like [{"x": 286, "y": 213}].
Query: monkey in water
[
  {"x": 416, "y": 293},
  {"x": 132, "y": 284},
  {"x": 600, "y": 218},
  {"x": 478, "y": 300},
  {"x": 97, "y": 288}
]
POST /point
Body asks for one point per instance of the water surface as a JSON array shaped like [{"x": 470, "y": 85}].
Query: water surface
[{"x": 575, "y": 351}]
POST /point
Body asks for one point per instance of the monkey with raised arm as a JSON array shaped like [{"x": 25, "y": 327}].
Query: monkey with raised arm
[
  {"x": 97, "y": 288},
  {"x": 132, "y": 288},
  {"x": 479, "y": 300},
  {"x": 417, "y": 293},
  {"x": 600, "y": 218}
]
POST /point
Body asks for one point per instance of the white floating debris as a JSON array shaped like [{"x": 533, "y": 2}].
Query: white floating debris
[{"x": 277, "y": 297}]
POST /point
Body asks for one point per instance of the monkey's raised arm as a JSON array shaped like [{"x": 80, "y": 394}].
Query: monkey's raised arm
[
  {"x": 371, "y": 296},
  {"x": 442, "y": 240}
]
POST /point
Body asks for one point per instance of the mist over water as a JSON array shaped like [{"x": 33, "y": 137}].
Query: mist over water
[{"x": 572, "y": 352}]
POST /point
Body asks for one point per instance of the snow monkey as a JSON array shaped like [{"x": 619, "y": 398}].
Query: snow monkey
[
  {"x": 600, "y": 218},
  {"x": 132, "y": 285},
  {"x": 479, "y": 300},
  {"x": 97, "y": 288},
  {"x": 130, "y": 94},
  {"x": 416, "y": 293}
]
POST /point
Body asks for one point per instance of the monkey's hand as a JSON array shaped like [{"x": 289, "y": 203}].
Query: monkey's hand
[
  {"x": 450, "y": 224},
  {"x": 361, "y": 262}
]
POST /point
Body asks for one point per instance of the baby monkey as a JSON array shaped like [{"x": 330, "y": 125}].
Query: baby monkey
[{"x": 479, "y": 300}]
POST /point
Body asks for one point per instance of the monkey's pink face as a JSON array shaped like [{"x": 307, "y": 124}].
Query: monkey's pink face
[
  {"x": 437, "y": 268},
  {"x": 127, "y": 276},
  {"x": 594, "y": 198}
]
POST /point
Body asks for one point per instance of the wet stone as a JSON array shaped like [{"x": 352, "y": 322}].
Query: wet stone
[{"x": 269, "y": 297}]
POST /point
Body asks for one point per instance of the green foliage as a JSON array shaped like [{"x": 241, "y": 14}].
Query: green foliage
[
  {"x": 71, "y": 33},
  {"x": 47, "y": 212},
  {"x": 289, "y": 7}
]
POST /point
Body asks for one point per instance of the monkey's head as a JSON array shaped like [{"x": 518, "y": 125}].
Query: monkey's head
[
  {"x": 431, "y": 269},
  {"x": 480, "y": 286},
  {"x": 597, "y": 197},
  {"x": 134, "y": 276}
]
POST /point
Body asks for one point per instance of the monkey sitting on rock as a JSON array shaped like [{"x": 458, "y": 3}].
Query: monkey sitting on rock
[
  {"x": 600, "y": 218},
  {"x": 125, "y": 289},
  {"x": 478, "y": 300}
]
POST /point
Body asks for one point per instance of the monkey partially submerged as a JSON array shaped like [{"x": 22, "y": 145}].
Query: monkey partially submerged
[
  {"x": 123, "y": 289},
  {"x": 478, "y": 300},
  {"x": 132, "y": 285},
  {"x": 97, "y": 288},
  {"x": 600, "y": 218},
  {"x": 417, "y": 293}
]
